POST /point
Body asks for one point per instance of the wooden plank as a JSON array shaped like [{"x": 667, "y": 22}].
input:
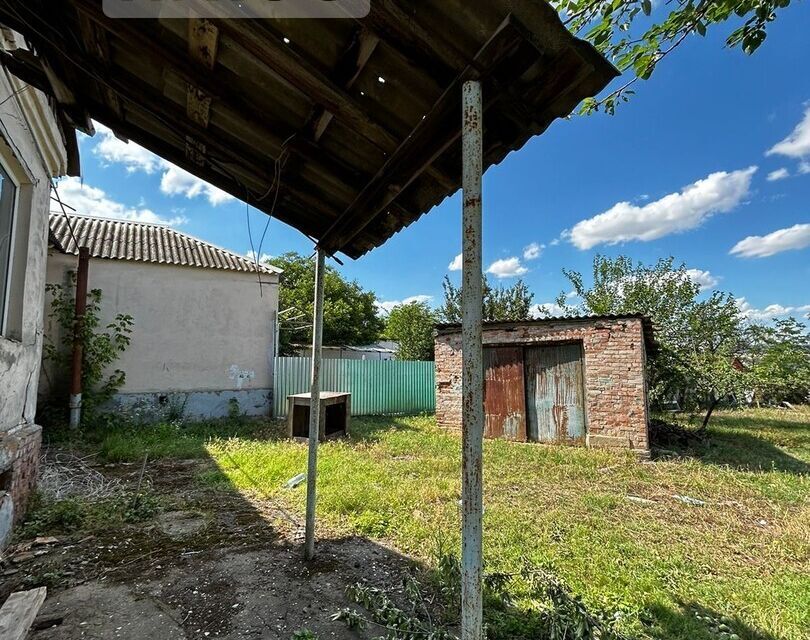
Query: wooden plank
[
  {"x": 555, "y": 393},
  {"x": 19, "y": 611},
  {"x": 504, "y": 393}
]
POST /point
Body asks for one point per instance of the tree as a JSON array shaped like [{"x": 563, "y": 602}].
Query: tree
[
  {"x": 780, "y": 361},
  {"x": 701, "y": 342},
  {"x": 709, "y": 354},
  {"x": 501, "y": 304},
  {"x": 662, "y": 292},
  {"x": 622, "y": 31},
  {"x": 349, "y": 313},
  {"x": 411, "y": 326}
]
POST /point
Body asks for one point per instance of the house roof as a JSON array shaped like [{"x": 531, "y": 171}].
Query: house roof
[
  {"x": 646, "y": 323},
  {"x": 143, "y": 242},
  {"x": 360, "y": 117}
]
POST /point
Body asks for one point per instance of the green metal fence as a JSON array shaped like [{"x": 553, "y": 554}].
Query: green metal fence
[{"x": 378, "y": 387}]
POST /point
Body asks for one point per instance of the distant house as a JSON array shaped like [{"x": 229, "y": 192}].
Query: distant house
[
  {"x": 204, "y": 318},
  {"x": 382, "y": 350}
]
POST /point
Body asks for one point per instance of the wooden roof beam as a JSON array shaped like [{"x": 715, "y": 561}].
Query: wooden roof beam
[{"x": 409, "y": 161}]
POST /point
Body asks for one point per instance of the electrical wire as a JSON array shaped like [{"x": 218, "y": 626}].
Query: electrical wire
[{"x": 67, "y": 217}]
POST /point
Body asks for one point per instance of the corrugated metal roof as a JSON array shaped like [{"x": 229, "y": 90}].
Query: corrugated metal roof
[
  {"x": 646, "y": 323},
  {"x": 143, "y": 242}
]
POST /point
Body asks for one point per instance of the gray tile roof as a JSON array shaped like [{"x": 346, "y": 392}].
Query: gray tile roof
[{"x": 143, "y": 242}]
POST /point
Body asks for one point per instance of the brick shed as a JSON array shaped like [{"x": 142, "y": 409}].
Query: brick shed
[{"x": 563, "y": 380}]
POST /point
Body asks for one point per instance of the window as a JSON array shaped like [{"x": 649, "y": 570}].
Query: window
[{"x": 8, "y": 197}]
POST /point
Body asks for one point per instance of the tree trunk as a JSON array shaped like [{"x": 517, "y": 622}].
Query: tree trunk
[{"x": 712, "y": 405}]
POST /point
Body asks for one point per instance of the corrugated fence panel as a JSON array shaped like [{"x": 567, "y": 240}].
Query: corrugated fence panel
[{"x": 378, "y": 387}]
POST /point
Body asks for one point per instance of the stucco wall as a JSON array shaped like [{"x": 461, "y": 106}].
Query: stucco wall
[
  {"x": 32, "y": 150},
  {"x": 196, "y": 330},
  {"x": 614, "y": 370}
]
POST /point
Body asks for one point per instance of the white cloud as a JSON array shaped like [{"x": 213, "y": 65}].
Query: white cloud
[
  {"x": 778, "y": 174},
  {"x": 93, "y": 201},
  {"x": 112, "y": 150},
  {"x": 533, "y": 251},
  {"x": 797, "y": 144},
  {"x": 388, "y": 305},
  {"x": 703, "y": 279},
  {"x": 804, "y": 167},
  {"x": 547, "y": 310},
  {"x": 795, "y": 237},
  {"x": 770, "y": 312},
  {"x": 456, "y": 264},
  {"x": 507, "y": 268},
  {"x": 177, "y": 181},
  {"x": 251, "y": 255},
  {"x": 718, "y": 192},
  {"x": 174, "y": 180}
]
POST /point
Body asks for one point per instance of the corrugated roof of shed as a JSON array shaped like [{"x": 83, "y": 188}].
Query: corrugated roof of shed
[
  {"x": 646, "y": 323},
  {"x": 144, "y": 242}
]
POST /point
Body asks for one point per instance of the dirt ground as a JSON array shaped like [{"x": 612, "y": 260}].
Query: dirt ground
[{"x": 212, "y": 565}]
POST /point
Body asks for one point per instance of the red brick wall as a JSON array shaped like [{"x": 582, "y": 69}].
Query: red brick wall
[
  {"x": 614, "y": 368},
  {"x": 22, "y": 449}
]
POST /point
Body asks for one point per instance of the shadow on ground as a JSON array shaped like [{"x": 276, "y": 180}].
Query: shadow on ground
[
  {"x": 697, "y": 622},
  {"x": 738, "y": 443},
  {"x": 211, "y": 563}
]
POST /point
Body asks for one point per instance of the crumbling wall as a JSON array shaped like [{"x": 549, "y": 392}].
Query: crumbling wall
[{"x": 31, "y": 151}]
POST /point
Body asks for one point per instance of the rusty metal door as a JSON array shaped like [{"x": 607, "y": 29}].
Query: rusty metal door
[
  {"x": 555, "y": 393},
  {"x": 504, "y": 393}
]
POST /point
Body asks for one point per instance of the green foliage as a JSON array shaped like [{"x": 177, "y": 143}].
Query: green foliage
[
  {"x": 501, "y": 303},
  {"x": 701, "y": 342},
  {"x": 65, "y": 516},
  {"x": 350, "y": 313},
  {"x": 636, "y": 36},
  {"x": 303, "y": 634},
  {"x": 548, "y": 609},
  {"x": 780, "y": 355},
  {"x": 708, "y": 354},
  {"x": 411, "y": 326},
  {"x": 101, "y": 347}
]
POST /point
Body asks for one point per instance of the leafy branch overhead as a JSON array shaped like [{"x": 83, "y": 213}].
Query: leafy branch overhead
[{"x": 631, "y": 34}]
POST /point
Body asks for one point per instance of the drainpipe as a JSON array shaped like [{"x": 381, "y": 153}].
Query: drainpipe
[
  {"x": 314, "y": 407},
  {"x": 472, "y": 366},
  {"x": 76, "y": 362}
]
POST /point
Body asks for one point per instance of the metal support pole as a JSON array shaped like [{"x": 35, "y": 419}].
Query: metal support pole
[
  {"x": 472, "y": 412},
  {"x": 314, "y": 406},
  {"x": 78, "y": 347}
]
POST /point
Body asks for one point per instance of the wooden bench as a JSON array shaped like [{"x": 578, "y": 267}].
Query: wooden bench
[{"x": 19, "y": 611}]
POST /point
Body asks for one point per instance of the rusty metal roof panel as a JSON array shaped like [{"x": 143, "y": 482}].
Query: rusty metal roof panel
[
  {"x": 361, "y": 117},
  {"x": 143, "y": 242}
]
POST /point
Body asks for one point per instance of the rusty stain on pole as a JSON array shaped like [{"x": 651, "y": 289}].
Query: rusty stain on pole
[
  {"x": 314, "y": 406},
  {"x": 472, "y": 365},
  {"x": 76, "y": 360}
]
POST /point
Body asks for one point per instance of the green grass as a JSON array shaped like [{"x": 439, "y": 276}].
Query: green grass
[{"x": 744, "y": 555}]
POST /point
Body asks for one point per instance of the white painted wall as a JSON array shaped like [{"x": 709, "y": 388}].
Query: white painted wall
[
  {"x": 31, "y": 150},
  {"x": 195, "y": 329}
]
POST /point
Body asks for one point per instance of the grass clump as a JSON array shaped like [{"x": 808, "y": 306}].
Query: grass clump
[{"x": 70, "y": 515}]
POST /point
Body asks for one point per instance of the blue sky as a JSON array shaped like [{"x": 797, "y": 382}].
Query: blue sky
[{"x": 711, "y": 155}]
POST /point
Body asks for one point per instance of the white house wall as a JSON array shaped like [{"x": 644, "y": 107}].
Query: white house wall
[
  {"x": 200, "y": 338},
  {"x": 31, "y": 150}
]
